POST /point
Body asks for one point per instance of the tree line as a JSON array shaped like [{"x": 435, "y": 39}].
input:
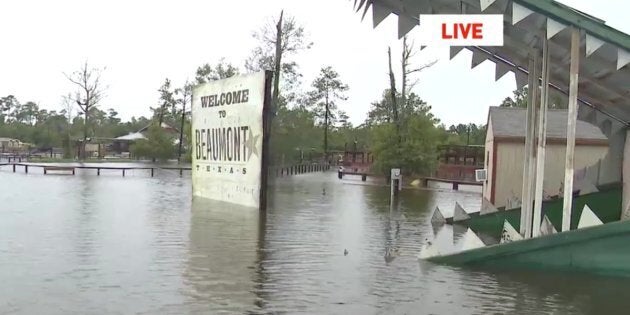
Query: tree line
[{"x": 399, "y": 130}]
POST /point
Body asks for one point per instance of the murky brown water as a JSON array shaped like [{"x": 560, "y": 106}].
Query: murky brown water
[{"x": 139, "y": 245}]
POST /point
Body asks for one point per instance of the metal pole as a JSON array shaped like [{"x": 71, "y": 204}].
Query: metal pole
[
  {"x": 528, "y": 162},
  {"x": 571, "y": 122},
  {"x": 542, "y": 140}
]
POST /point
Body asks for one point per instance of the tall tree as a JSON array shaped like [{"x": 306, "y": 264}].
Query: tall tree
[
  {"x": 221, "y": 70},
  {"x": 88, "y": 95},
  {"x": 519, "y": 99},
  {"x": 392, "y": 91},
  {"x": 277, "y": 42},
  {"x": 167, "y": 100},
  {"x": 408, "y": 70},
  {"x": 185, "y": 95},
  {"x": 327, "y": 90},
  {"x": 8, "y": 106}
]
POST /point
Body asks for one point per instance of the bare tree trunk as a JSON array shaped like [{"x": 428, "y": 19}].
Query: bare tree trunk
[
  {"x": 392, "y": 82},
  {"x": 181, "y": 131},
  {"x": 85, "y": 134},
  {"x": 278, "y": 63},
  {"x": 326, "y": 113},
  {"x": 405, "y": 60},
  {"x": 161, "y": 116}
]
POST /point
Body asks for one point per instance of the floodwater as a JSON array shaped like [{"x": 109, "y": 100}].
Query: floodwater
[{"x": 139, "y": 245}]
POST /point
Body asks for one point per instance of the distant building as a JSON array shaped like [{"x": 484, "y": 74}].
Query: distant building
[
  {"x": 505, "y": 147},
  {"x": 10, "y": 144},
  {"x": 122, "y": 143}
]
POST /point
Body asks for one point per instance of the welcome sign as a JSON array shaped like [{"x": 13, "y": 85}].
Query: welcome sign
[{"x": 228, "y": 123}]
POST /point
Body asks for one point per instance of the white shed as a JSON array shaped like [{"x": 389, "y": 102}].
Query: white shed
[{"x": 505, "y": 146}]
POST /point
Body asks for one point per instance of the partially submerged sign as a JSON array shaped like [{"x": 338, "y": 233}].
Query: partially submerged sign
[{"x": 229, "y": 120}]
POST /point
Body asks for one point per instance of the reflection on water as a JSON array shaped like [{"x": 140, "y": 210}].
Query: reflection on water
[{"x": 86, "y": 244}]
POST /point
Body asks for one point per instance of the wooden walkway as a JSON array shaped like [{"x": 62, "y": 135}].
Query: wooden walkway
[
  {"x": 71, "y": 168},
  {"x": 425, "y": 180},
  {"x": 49, "y": 168}
]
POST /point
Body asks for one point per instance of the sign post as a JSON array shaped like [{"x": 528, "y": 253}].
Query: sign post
[
  {"x": 395, "y": 183},
  {"x": 231, "y": 122}
]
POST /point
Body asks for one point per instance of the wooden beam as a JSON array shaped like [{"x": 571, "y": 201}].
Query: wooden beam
[
  {"x": 529, "y": 156},
  {"x": 571, "y": 122},
  {"x": 542, "y": 139}
]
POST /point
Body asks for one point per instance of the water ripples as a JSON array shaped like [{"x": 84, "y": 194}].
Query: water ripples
[{"x": 87, "y": 244}]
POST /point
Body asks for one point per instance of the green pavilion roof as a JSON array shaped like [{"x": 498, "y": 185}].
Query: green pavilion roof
[{"x": 604, "y": 77}]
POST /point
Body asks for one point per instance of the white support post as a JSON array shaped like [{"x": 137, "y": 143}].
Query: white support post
[
  {"x": 542, "y": 140},
  {"x": 571, "y": 122},
  {"x": 529, "y": 156}
]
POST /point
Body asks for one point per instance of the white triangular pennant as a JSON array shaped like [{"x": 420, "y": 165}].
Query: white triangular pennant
[
  {"x": 428, "y": 250},
  {"x": 546, "y": 227},
  {"x": 586, "y": 187},
  {"x": 500, "y": 70},
  {"x": 471, "y": 241},
  {"x": 509, "y": 233},
  {"x": 554, "y": 27},
  {"x": 458, "y": 232},
  {"x": 521, "y": 79},
  {"x": 477, "y": 58},
  {"x": 623, "y": 58},
  {"x": 592, "y": 44},
  {"x": 438, "y": 217},
  {"x": 487, "y": 207},
  {"x": 519, "y": 12},
  {"x": 459, "y": 214},
  {"x": 379, "y": 13},
  {"x": 405, "y": 24},
  {"x": 484, "y": 4},
  {"x": 454, "y": 50},
  {"x": 588, "y": 218}
]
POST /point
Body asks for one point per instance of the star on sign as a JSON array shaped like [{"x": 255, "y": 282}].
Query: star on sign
[{"x": 250, "y": 144}]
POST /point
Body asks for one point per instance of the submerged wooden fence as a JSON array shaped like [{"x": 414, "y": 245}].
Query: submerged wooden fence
[
  {"x": 71, "y": 168},
  {"x": 277, "y": 171},
  {"x": 281, "y": 171}
]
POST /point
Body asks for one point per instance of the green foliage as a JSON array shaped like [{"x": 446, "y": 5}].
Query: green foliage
[
  {"x": 158, "y": 145},
  {"x": 520, "y": 99},
  {"x": 45, "y": 129},
  {"x": 417, "y": 151},
  {"x": 468, "y": 134},
  {"x": 221, "y": 70},
  {"x": 293, "y": 39},
  {"x": 382, "y": 111},
  {"x": 327, "y": 90}
]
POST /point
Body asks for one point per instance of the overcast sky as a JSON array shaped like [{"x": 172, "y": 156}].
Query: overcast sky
[{"x": 143, "y": 42}]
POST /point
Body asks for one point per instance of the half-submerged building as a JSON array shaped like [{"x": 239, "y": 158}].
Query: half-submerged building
[{"x": 505, "y": 151}]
